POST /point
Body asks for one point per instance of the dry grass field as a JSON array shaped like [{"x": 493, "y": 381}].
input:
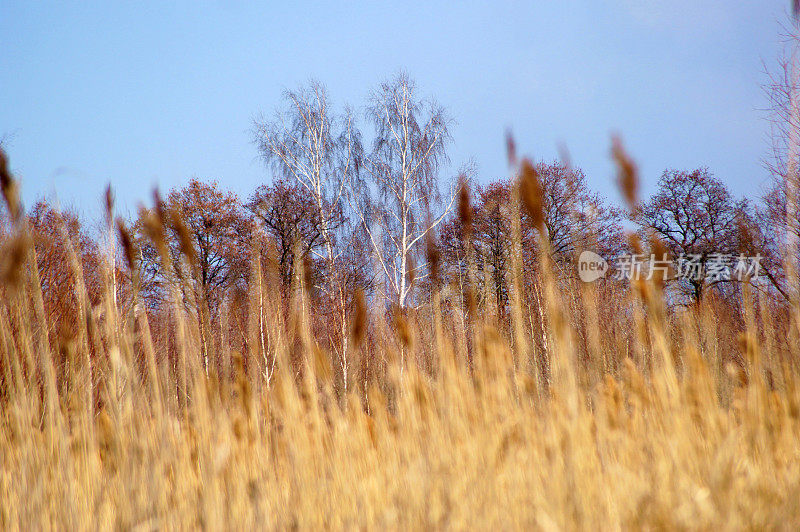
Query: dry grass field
[{"x": 635, "y": 414}]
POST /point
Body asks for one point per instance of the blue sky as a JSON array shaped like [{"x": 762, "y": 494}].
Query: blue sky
[{"x": 140, "y": 94}]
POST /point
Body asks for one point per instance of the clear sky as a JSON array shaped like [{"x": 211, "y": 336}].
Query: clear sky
[{"x": 139, "y": 94}]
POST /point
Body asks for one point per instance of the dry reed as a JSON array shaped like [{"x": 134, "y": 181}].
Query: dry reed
[{"x": 676, "y": 442}]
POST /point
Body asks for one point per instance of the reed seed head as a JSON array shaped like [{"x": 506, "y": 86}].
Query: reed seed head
[
  {"x": 13, "y": 258},
  {"x": 9, "y": 188},
  {"x": 184, "y": 236},
  {"x": 109, "y": 204},
  {"x": 434, "y": 258},
  {"x": 465, "y": 212},
  {"x": 531, "y": 193},
  {"x": 358, "y": 327},
  {"x": 511, "y": 150},
  {"x": 128, "y": 247},
  {"x": 627, "y": 173}
]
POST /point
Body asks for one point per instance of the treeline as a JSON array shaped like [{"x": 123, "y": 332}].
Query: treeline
[{"x": 357, "y": 225}]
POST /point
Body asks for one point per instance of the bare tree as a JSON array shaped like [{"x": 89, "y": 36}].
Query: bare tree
[
  {"x": 50, "y": 228},
  {"x": 292, "y": 218},
  {"x": 771, "y": 230},
  {"x": 410, "y": 147},
  {"x": 694, "y": 215},
  {"x": 779, "y": 214},
  {"x": 491, "y": 241},
  {"x": 210, "y": 227},
  {"x": 782, "y": 91},
  {"x": 321, "y": 152},
  {"x": 574, "y": 219},
  {"x": 218, "y": 229}
]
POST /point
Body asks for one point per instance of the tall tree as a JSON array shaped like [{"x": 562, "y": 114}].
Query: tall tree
[
  {"x": 695, "y": 216},
  {"x": 779, "y": 214},
  {"x": 321, "y": 152},
  {"x": 205, "y": 225},
  {"x": 772, "y": 232},
  {"x": 574, "y": 218},
  {"x": 50, "y": 229},
  {"x": 291, "y": 218},
  {"x": 491, "y": 240},
  {"x": 409, "y": 149},
  {"x": 219, "y": 231}
]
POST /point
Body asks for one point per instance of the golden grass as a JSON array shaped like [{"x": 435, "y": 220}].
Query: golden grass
[{"x": 101, "y": 431}]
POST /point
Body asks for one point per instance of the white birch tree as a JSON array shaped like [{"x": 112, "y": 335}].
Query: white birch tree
[
  {"x": 319, "y": 150},
  {"x": 411, "y": 137}
]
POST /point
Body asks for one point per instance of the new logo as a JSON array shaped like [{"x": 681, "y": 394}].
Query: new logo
[{"x": 591, "y": 266}]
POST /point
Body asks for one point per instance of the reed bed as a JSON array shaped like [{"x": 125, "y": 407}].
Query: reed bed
[{"x": 682, "y": 420}]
